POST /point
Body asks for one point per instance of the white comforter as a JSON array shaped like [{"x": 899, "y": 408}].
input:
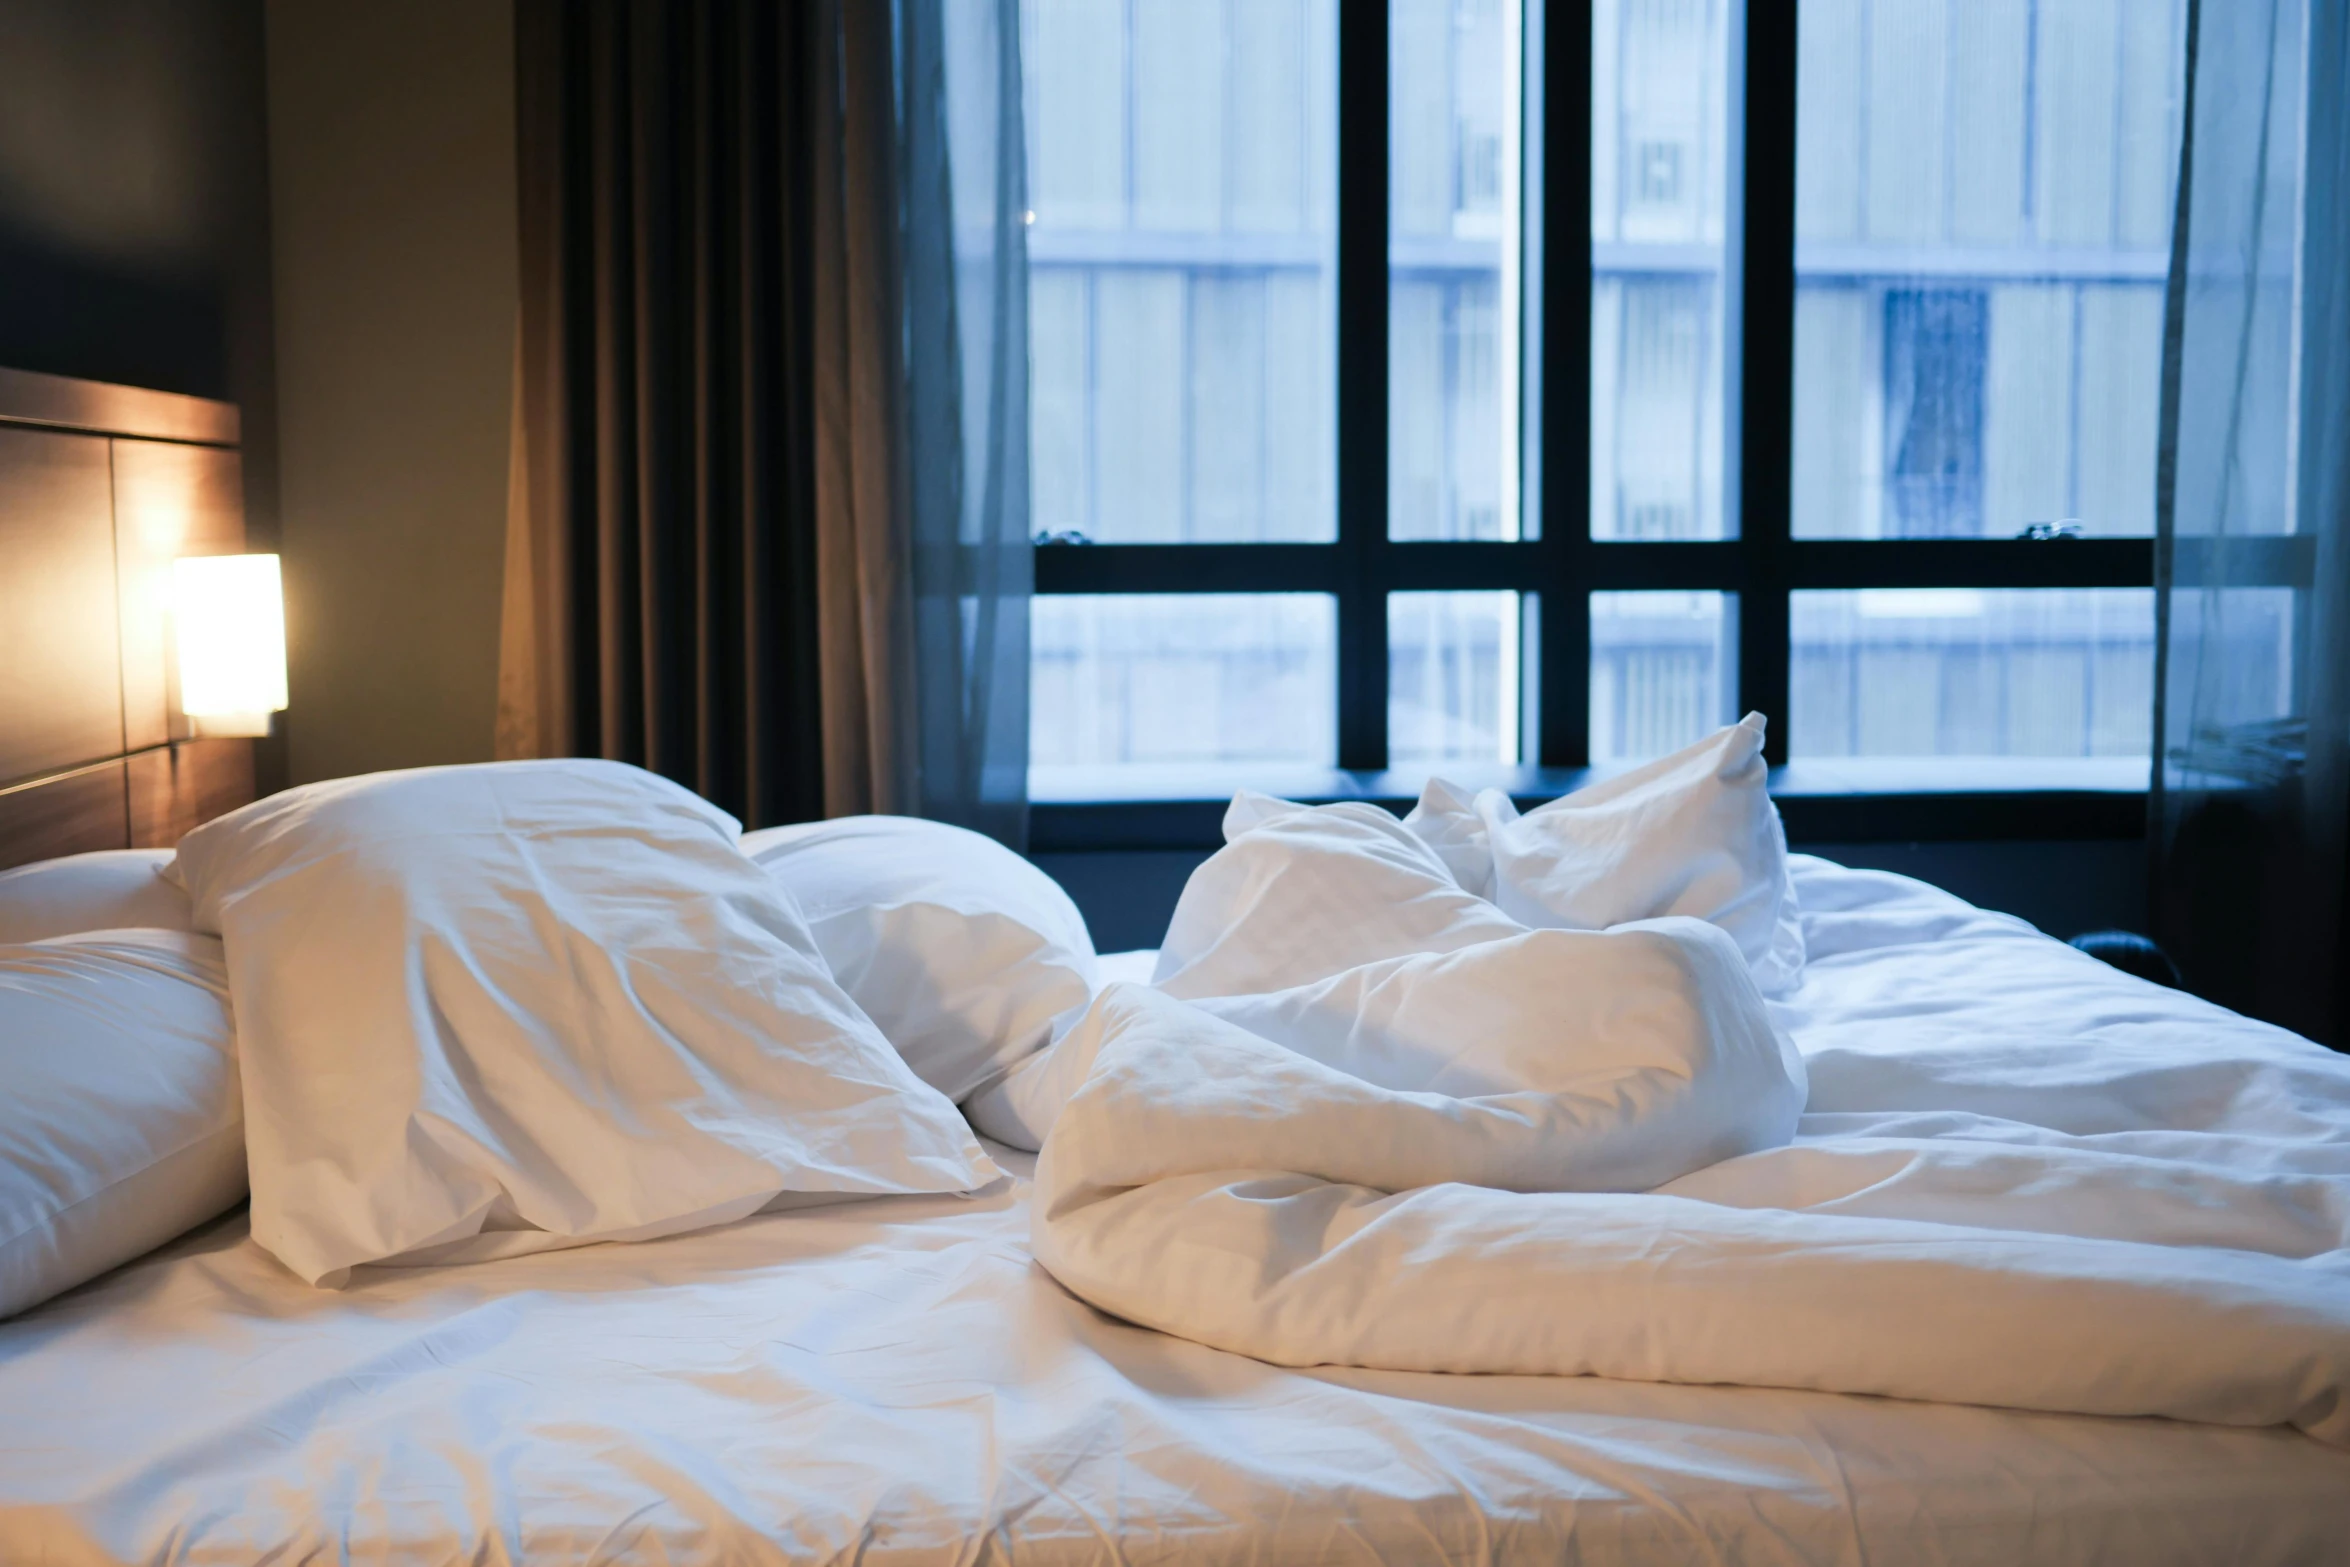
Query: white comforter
[{"x": 2052, "y": 1202}]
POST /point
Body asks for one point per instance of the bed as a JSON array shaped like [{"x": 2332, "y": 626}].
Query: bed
[{"x": 895, "y": 1379}]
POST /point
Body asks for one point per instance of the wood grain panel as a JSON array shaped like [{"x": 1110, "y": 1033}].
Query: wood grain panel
[
  {"x": 184, "y": 786},
  {"x": 169, "y": 501},
  {"x": 94, "y": 478},
  {"x": 60, "y": 653},
  {"x": 69, "y": 815},
  {"x": 28, "y": 397}
]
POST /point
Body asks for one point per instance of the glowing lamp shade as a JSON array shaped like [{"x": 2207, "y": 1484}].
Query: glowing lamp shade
[{"x": 230, "y": 624}]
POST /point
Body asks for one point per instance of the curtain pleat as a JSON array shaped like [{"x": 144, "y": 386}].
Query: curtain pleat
[
  {"x": 861, "y": 553},
  {"x": 964, "y": 266},
  {"x": 666, "y": 500}
]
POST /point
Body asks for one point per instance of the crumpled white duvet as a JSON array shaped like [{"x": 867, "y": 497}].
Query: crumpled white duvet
[{"x": 2131, "y": 1223}]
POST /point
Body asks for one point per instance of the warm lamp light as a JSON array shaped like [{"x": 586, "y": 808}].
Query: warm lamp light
[{"x": 230, "y": 624}]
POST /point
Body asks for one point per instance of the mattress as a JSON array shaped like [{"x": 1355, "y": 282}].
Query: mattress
[{"x": 896, "y": 1380}]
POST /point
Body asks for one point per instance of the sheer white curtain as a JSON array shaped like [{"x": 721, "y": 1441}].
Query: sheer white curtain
[
  {"x": 966, "y": 377},
  {"x": 2252, "y": 774}
]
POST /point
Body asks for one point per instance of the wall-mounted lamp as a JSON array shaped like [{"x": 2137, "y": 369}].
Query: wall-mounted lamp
[{"x": 230, "y": 624}]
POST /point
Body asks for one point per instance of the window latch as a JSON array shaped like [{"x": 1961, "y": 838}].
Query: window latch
[
  {"x": 2062, "y": 528},
  {"x": 1065, "y": 536}
]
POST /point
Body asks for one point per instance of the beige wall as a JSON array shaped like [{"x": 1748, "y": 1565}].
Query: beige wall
[{"x": 391, "y": 130}]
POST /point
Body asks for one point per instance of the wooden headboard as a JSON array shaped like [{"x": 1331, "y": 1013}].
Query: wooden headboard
[{"x": 101, "y": 487}]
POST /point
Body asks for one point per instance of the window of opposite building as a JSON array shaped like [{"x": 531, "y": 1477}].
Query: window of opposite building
[{"x": 1444, "y": 383}]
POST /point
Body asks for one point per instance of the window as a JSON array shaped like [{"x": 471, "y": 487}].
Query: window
[
  {"x": 1933, "y": 440},
  {"x": 1501, "y": 383}
]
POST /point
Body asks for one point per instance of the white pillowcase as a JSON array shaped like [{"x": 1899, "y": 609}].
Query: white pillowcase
[
  {"x": 1299, "y": 893},
  {"x": 493, "y": 1009},
  {"x": 1693, "y": 833},
  {"x": 111, "y": 889},
  {"x": 966, "y": 956},
  {"x": 120, "y": 1123}
]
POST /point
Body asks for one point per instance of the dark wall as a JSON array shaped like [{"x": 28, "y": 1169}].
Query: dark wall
[
  {"x": 134, "y": 211},
  {"x": 391, "y": 132},
  {"x": 2063, "y": 887}
]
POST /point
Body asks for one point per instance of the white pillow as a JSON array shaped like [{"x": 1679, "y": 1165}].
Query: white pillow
[
  {"x": 966, "y": 956},
  {"x": 111, "y": 889},
  {"x": 1299, "y": 893},
  {"x": 1693, "y": 833},
  {"x": 120, "y": 1124},
  {"x": 548, "y": 1001}
]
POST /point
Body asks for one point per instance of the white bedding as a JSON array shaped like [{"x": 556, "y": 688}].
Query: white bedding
[
  {"x": 1569, "y": 1153},
  {"x": 896, "y": 1380}
]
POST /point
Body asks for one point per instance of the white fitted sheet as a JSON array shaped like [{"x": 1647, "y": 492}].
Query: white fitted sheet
[{"x": 895, "y": 1380}]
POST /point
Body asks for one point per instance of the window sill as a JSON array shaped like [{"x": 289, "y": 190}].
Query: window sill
[{"x": 1840, "y": 800}]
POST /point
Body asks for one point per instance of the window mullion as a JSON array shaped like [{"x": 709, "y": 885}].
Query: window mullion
[
  {"x": 1362, "y": 383},
  {"x": 1761, "y": 300},
  {"x": 1559, "y": 102}
]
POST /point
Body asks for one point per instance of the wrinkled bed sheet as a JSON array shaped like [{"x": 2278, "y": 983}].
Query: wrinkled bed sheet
[{"x": 896, "y": 1380}]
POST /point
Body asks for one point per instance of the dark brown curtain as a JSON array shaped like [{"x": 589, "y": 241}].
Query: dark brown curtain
[
  {"x": 768, "y": 532},
  {"x": 663, "y": 581}
]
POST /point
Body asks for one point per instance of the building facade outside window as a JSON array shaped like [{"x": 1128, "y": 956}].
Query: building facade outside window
[{"x": 1978, "y": 198}]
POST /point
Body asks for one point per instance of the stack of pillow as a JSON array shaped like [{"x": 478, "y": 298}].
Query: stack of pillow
[
  {"x": 480, "y": 1011},
  {"x": 121, "y": 1123}
]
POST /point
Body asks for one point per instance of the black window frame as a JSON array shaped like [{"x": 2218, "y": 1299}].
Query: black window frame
[{"x": 1763, "y": 564}]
